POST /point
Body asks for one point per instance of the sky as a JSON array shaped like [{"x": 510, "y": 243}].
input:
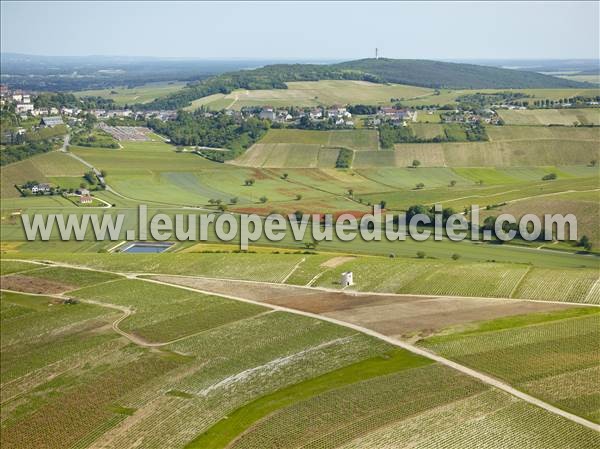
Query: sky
[{"x": 304, "y": 30}]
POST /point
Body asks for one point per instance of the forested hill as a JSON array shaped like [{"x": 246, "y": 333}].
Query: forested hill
[
  {"x": 435, "y": 74},
  {"x": 438, "y": 74}
]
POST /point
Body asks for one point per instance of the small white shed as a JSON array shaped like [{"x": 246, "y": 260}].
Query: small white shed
[{"x": 346, "y": 279}]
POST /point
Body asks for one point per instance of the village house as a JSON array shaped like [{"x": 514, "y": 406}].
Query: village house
[
  {"x": 40, "y": 188},
  {"x": 316, "y": 114},
  {"x": 24, "y": 108},
  {"x": 395, "y": 114},
  {"x": 267, "y": 114},
  {"x": 338, "y": 111},
  {"x": 85, "y": 199}
]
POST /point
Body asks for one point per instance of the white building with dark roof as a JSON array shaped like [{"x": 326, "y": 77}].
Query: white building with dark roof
[{"x": 50, "y": 122}]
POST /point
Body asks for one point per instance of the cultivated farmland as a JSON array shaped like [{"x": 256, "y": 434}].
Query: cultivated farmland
[
  {"x": 559, "y": 354},
  {"x": 138, "y": 94},
  {"x": 315, "y": 93},
  {"x": 484, "y": 154},
  {"x": 565, "y": 117}
]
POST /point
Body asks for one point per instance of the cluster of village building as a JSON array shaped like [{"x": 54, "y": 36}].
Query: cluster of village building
[
  {"x": 82, "y": 194},
  {"x": 488, "y": 116},
  {"x": 336, "y": 115}
]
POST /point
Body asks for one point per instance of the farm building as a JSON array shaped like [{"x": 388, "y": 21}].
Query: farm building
[
  {"x": 347, "y": 279},
  {"x": 268, "y": 113},
  {"x": 50, "y": 122},
  {"x": 85, "y": 199},
  {"x": 40, "y": 188}
]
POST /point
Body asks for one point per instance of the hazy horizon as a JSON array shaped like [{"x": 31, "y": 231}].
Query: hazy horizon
[{"x": 325, "y": 31}]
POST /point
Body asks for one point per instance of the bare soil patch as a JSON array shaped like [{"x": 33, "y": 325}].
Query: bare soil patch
[
  {"x": 393, "y": 315},
  {"x": 337, "y": 261},
  {"x": 301, "y": 298},
  {"x": 430, "y": 315},
  {"x": 30, "y": 284}
]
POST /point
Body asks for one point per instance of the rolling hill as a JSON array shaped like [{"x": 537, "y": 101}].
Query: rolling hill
[
  {"x": 450, "y": 75},
  {"x": 424, "y": 73}
]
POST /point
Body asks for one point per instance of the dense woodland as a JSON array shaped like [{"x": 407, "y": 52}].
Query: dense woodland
[
  {"x": 61, "y": 99},
  {"x": 217, "y": 130}
]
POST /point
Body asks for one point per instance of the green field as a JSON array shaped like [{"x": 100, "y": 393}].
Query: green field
[
  {"x": 458, "y": 279},
  {"x": 292, "y": 148},
  {"x": 314, "y": 93},
  {"x": 500, "y": 153},
  {"x": 62, "y": 363},
  {"x": 566, "y": 117},
  {"x": 208, "y": 346},
  {"x": 550, "y": 279},
  {"x": 139, "y": 94},
  {"x": 447, "y": 96},
  {"x": 354, "y": 139},
  {"x": 594, "y": 79},
  {"x": 330, "y": 92},
  {"x": 508, "y": 146},
  {"x": 196, "y": 370},
  {"x": 400, "y": 409},
  {"x": 40, "y": 168},
  {"x": 553, "y": 359},
  {"x": 427, "y": 130}
]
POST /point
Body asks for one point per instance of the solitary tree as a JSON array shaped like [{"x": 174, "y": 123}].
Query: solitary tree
[
  {"x": 284, "y": 176},
  {"x": 452, "y": 183},
  {"x": 420, "y": 186},
  {"x": 585, "y": 242},
  {"x": 421, "y": 254},
  {"x": 416, "y": 163},
  {"x": 249, "y": 182},
  {"x": 298, "y": 197},
  {"x": 263, "y": 199}
]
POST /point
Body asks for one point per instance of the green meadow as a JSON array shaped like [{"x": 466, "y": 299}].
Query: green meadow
[{"x": 131, "y": 95}]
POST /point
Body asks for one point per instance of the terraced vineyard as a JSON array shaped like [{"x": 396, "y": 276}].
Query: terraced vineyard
[
  {"x": 193, "y": 358},
  {"x": 554, "y": 360},
  {"x": 488, "y": 419},
  {"x": 484, "y": 279},
  {"x": 392, "y": 409}
]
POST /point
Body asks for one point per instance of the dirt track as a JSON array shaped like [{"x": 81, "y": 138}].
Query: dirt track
[{"x": 412, "y": 348}]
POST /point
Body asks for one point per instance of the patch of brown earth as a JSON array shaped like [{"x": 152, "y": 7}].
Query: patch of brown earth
[
  {"x": 430, "y": 316},
  {"x": 30, "y": 284},
  {"x": 394, "y": 315},
  {"x": 337, "y": 261},
  {"x": 300, "y": 298}
]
